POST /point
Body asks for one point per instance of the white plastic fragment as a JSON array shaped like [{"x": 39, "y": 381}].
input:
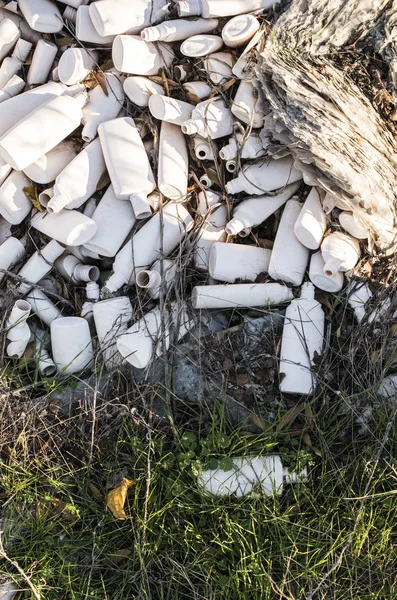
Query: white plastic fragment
[{"x": 18, "y": 332}]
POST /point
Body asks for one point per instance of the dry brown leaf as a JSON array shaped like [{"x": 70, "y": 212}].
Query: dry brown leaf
[
  {"x": 165, "y": 83},
  {"x": 107, "y": 65},
  {"x": 119, "y": 555},
  {"x": 116, "y": 499},
  {"x": 309, "y": 415},
  {"x": 227, "y": 85},
  {"x": 102, "y": 82},
  {"x": 213, "y": 176},
  {"x": 307, "y": 440},
  {"x": 259, "y": 422},
  {"x": 193, "y": 98},
  {"x": 160, "y": 80},
  {"x": 96, "y": 493},
  {"x": 64, "y": 41},
  {"x": 103, "y": 181},
  {"x": 323, "y": 298},
  {"x": 291, "y": 415},
  {"x": 33, "y": 195},
  {"x": 62, "y": 509}
]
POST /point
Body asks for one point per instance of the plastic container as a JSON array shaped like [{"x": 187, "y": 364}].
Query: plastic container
[
  {"x": 42, "y": 61},
  {"x": 162, "y": 272},
  {"x": 140, "y": 89},
  {"x": 206, "y": 199},
  {"x": 92, "y": 294},
  {"x": 240, "y": 295},
  {"x": 239, "y": 30},
  {"x": 18, "y": 333},
  {"x": 266, "y": 177},
  {"x": 333, "y": 283},
  {"x": 352, "y": 226},
  {"x": 127, "y": 163},
  {"x": 101, "y": 107},
  {"x": 9, "y": 35},
  {"x": 251, "y": 147},
  {"x": 11, "y": 252},
  {"x": 73, "y": 270},
  {"x": 41, "y": 130},
  {"x": 23, "y": 28},
  {"x": 247, "y": 475},
  {"x": 111, "y": 319},
  {"x": 302, "y": 339},
  {"x": 340, "y": 253},
  {"x": 71, "y": 344},
  {"x": 48, "y": 167},
  {"x": 68, "y": 227},
  {"x": 248, "y": 104},
  {"x": 79, "y": 179},
  {"x": 201, "y": 45},
  {"x": 173, "y": 166},
  {"x": 221, "y": 8},
  {"x": 38, "y": 265},
  {"x": 178, "y": 29},
  {"x": 14, "y": 203},
  {"x": 253, "y": 211},
  {"x": 203, "y": 148},
  {"x": 12, "y": 88},
  {"x": 170, "y": 109},
  {"x": 85, "y": 30},
  {"x": 219, "y": 67},
  {"x": 311, "y": 223},
  {"x": 114, "y": 219},
  {"x": 200, "y": 89},
  {"x": 75, "y": 64},
  {"x": 158, "y": 237},
  {"x": 46, "y": 365},
  {"x": 131, "y": 54},
  {"x": 211, "y": 231},
  {"x": 230, "y": 262},
  {"x": 11, "y": 65},
  {"x": 42, "y": 307},
  {"x": 110, "y": 18},
  {"x": 210, "y": 118},
  {"x": 289, "y": 257},
  {"x": 41, "y": 15}
]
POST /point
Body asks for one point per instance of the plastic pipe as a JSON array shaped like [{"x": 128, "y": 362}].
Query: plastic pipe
[
  {"x": 39, "y": 264},
  {"x": 42, "y": 61},
  {"x": 11, "y": 252},
  {"x": 68, "y": 227},
  {"x": 230, "y": 262},
  {"x": 18, "y": 332},
  {"x": 42, "y": 307},
  {"x": 240, "y": 295},
  {"x": 71, "y": 344}
]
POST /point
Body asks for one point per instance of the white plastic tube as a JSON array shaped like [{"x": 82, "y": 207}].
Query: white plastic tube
[
  {"x": 259, "y": 178},
  {"x": 42, "y": 61},
  {"x": 18, "y": 332},
  {"x": 9, "y": 35},
  {"x": 333, "y": 283},
  {"x": 12, "y": 88},
  {"x": 71, "y": 344},
  {"x": 14, "y": 203},
  {"x": 42, "y": 15},
  {"x": 39, "y": 264},
  {"x": 111, "y": 319},
  {"x": 221, "y": 8},
  {"x": 340, "y": 253},
  {"x": 302, "y": 339},
  {"x": 11, "y": 251},
  {"x": 210, "y": 118},
  {"x": 114, "y": 219},
  {"x": 230, "y": 262},
  {"x": 178, "y": 29},
  {"x": 48, "y": 167},
  {"x": 211, "y": 231},
  {"x": 173, "y": 167},
  {"x": 170, "y": 109},
  {"x": 311, "y": 224},
  {"x": 127, "y": 163},
  {"x": 75, "y": 271},
  {"x": 162, "y": 272},
  {"x": 253, "y": 211},
  {"x": 248, "y": 104},
  {"x": 44, "y": 361},
  {"x": 11, "y": 65},
  {"x": 110, "y": 18},
  {"x": 42, "y": 307},
  {"x": 131, "y": 54},
  {"x": 79, "y": 179},
  {"x": 289, "y": 257},
  {"x": 140, "y": 89},
  {"x": 68, "y": 227},
  {"x": 101, "y": 107},
  {"x": 240, "y": 295}
]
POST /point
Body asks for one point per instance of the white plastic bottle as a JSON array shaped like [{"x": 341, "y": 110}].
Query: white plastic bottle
[
  {"x": 23, "y": 28},
  {"x": 112, "y": 17},
  {"x": 240, "y": 295},
  {"x": 350, "y": 224},
  {"x": 203, "y": 148},
  {"x": 158, "y": 237},
  {"x": 11, "y": 65},
  {"x": 79, "y": 179},
  {"x": 289, "y": 257},
  {"x": 162, "y": 272},
  {"x": 73, "y": 270},
  {"x": 201, "y": 45},
  {"x": 206, "y": 199},
  {"x": 170, "y": 109},
  {"x": 230, "y": 262},
  {"x": 111, "y": 319},
  {"x": 211, "y": 231},
  {"x": 85, "y": 30},
  {"x": 101, "y": 107},
  {"x": 358, "y": 296},
  {"x": 253, "y": 211},
  {"x": 11, "y": 251},
  {"x": 38, "y": 265},
  {"x": 340, "y": 253},
  {"x": 14, "y": 203},
  {"x": 140, "y": 89},
  {"x": 173, "y": 167},
  {"x": 311, "y": 224},
  {"x": 221, "y": 8},
  {"x": 12, "y": 88},
  {"x": 9, "y": 35},
  {"x": 210, "y": 118},
  {"x": 114, "y": 219},
  {"x": 42, "y": 61},
  {"x": 178, "y": 29},
  {"x": 247, "y": 474},
  {"x": 42, "y": 15},
  {"x": 41, "y": 130},
  {"x": 42, "y": 306},
  {"x": 131, "y": 54},
  {"x": 302, "y": 339},
  {"x": 239, "y": 30},
  {"x": 219, "y": 67},
  {"x": 248, "y": 104},
  {"x": 18, "y": 332},
  {"x": 328, "y": 283},
  {"x": 199, "y": 89},
  {"x": 48, "y": 167},
  {"x": 266, "y": 177},
  {"x": 250, "y": 147},
  {"x": 68, "y": 227},
  {"x": 75, "y": 64},
  {"x": 127, "y": 163},
  {"x": 71, "y": 344}
]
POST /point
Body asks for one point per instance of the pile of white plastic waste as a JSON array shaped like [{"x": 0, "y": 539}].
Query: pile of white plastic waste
[{"x": 177, "y": 110}]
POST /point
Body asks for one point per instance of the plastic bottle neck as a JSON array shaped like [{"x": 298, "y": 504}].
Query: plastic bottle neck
[
  {"x": 332, "y": 266},
  {"x": 92, "y": 291},
  {"x": 115, "y": 282},
  {"x": 56, "y": 203},
  {"x": 52, "y": 251},
  {"x": 228, "y": 152},
  {"x": 307, "y": 291},
  {"x": 193, "y": 126},
  {"x": 85, "y": 273},
  {"x": 148, "y": 279},
  {"x": 153, "y": 34},
  {"x": 89, "y": 130},
  {"x": 234, "y": 226},
  {"x": 235, "y": 186},
  {"x": 141, "y": 206},
  {"x": 70, "y": 14}
]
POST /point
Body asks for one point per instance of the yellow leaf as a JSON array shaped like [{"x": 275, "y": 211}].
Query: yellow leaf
[
  {"x": 33, "y": 195},
  {"x": 116, "y": 499}
]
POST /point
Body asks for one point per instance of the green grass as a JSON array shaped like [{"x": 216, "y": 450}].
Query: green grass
[{"x": 332, "y": 537}]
